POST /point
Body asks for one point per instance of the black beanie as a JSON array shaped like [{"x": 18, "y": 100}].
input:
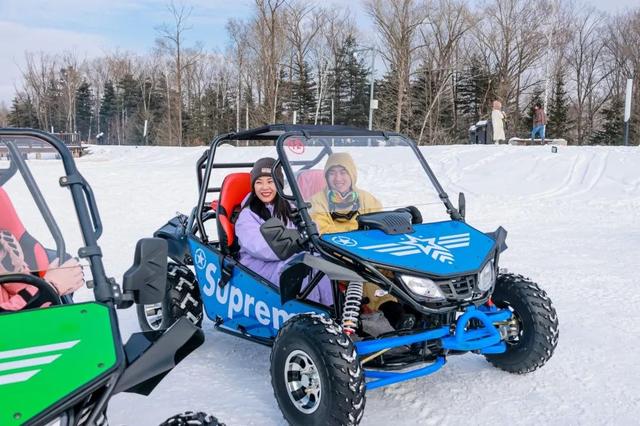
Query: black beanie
[{"x": 262, "y": 167}]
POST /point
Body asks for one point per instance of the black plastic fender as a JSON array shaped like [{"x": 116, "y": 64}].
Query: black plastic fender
[
  {"x": 152, "y": 355},
  {"x": 174, "y": 231},
  {"x": 500, "y": 237},
  {"x": 299, "y": 268}
]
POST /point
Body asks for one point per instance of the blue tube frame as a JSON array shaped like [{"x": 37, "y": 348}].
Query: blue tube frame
[
  {"x": 485, "y": 339},
  {"x": 384, "y": 378}
]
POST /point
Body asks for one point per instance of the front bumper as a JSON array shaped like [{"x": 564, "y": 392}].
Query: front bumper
[{"x": 484, "y": 338}]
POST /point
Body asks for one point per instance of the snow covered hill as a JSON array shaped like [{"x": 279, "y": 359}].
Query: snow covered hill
[{"x": 573, "y": 221}]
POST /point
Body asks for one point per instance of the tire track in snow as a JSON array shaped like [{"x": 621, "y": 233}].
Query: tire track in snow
[
  {"x": 584, "y": 176},
  {"x": 551, "y": 193}
]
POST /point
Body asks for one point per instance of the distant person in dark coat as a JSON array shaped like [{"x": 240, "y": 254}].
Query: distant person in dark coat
[{"x": 539, "y": 122}]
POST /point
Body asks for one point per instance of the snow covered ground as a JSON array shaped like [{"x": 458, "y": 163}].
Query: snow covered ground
[{"x": 573, "y": 221}]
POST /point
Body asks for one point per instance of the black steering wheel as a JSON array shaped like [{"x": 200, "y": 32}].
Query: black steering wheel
[{"x": 45, "y": 289}]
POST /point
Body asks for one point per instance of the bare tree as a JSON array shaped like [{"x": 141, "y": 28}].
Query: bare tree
[
  {"x": 623, "y": 60},
  {"x": 512, "y": 36},
  {"x": 172, "y": 42},
  {"x": 445, "y": 28},
  {"x": 70, "y": 80},
  {"x": 238, "y": 32},
  {"x": 338, "y": 26},
  {"x": 38, "y": 73},
  {"x": 97, "y": 74},
  {"x": 4, "y": 115},
  {"x": 305, "y": 22},
  {"x": 269, "y": 49},
  {"x": 586, "y": 53},
  {"x": 398, "y": 21}
]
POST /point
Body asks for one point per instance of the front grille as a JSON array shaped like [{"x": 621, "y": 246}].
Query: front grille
[{"x": 459, "y": 288}]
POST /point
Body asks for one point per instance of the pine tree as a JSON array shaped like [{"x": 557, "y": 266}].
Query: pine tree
[
  {"x": 303, "y": 99},
  {"x": 55, "y": 111},
  {"x": 350, "y": 90},
  {"x": 558, "y": 126},
  {"x": 22, "y": 113},
  {"x": 157, "y": 129},
  {"x": 612, "y": 131},
  {"x": 108, "y": 111},
  {"x": 84, "y": 112},
  {"x": 424, "y": 90},
  {"x": 474, "y": 93},
  {"x": 129, "y": 103},
  {"x": 386, "y": 93}
]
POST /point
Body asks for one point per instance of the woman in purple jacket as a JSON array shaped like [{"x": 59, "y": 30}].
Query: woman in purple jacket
[{"x": 264, "y": 203}]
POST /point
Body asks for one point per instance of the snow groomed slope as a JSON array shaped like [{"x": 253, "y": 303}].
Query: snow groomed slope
[{"x": 573, "y": 226}]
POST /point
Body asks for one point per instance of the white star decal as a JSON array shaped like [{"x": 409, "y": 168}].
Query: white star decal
[
  {"x": 201, "y": 259},
  {"x": 344, "y": 241}
]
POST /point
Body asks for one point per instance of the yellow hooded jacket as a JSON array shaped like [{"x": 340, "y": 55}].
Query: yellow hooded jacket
[
  {"x": 326, "y": 225},
  {"x": 320, "y": 204}
]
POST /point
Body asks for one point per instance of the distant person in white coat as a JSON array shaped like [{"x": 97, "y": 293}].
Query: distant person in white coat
[{"x": 497, "y": 122}]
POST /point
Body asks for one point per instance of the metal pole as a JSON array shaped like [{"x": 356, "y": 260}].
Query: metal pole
[
  {"x": 373, "y": 57},
  {"x": 332, "y": 121},
  {"x": 549, "y": 36},
  {"x": 627, "y": 110}
]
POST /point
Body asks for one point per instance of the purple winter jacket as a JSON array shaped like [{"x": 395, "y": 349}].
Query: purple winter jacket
[{"x": 256, "y": 254}]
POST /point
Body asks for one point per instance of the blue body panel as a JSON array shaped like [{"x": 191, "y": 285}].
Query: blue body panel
[
  {"x": 244, "y": 301},
  {"x": 442, "y": 248}
]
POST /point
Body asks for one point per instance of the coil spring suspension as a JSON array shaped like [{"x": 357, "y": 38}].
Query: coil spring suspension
[{"x": 351, "y": 309}]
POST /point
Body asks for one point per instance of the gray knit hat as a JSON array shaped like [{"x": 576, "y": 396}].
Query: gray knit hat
[{"x": 262, "y": 167}]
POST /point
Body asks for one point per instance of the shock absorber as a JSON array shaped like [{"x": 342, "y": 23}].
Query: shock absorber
[{"x": 351, "y": 309}]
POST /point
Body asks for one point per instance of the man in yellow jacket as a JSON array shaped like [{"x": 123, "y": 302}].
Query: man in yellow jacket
[{"x": 336, "y": 209}]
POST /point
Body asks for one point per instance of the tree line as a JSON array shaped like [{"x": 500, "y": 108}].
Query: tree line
[{"x": 440, "y": 64}]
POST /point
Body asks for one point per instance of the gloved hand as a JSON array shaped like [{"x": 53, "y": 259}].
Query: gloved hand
[
  {"x": 66, "y": 278},
  {"x": 285, "y": 242}
]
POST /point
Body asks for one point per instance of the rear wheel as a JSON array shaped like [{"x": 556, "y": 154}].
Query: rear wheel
[
  {"x": 191, "y": 418},
  {"x": 316, "y": 374},
  {"x": 533, "y": 330},
  {"x": 182, "y": 299}
]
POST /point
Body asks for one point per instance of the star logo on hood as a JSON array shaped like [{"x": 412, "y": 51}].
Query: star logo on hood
[
  {"x": 344, "y": 241},
  {"x": 438, "y": 248}
]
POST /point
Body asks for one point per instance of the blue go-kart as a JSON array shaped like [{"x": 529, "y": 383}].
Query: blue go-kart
[{"x": 417, "y": 248}]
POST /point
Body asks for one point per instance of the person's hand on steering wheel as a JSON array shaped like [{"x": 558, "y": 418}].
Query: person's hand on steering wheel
[{"x": 66, "y": 278}]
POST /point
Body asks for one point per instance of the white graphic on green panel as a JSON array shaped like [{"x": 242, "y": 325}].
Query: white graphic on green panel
[{"x": 26, "y": 358}]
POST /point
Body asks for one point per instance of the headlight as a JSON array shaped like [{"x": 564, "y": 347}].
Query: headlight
[
  {"x": 423, "y": 287},
  {"x": 487, "y": 276}
]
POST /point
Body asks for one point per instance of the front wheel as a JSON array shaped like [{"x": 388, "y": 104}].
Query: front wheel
[
  {"x": 316, "y": 374},
  {"x": 182, "y": 299},
  {"x": 533, "y": 329}
]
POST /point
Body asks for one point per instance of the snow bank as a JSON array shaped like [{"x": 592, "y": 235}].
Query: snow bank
[{"x": 573, "y": 226}]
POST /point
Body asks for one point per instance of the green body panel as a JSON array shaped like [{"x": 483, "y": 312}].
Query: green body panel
[{"x": 47, "y": 354}]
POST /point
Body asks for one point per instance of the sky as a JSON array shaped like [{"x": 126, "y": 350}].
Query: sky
[{"x": 93, "y": 27}]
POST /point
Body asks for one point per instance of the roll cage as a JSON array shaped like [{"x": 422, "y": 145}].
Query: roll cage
[
  {"x": 83, "y": 201},
  {"x": 278, "y": 134}
]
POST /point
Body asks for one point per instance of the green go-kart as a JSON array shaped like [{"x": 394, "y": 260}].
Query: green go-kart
[{"x": 60, "y": 361}]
